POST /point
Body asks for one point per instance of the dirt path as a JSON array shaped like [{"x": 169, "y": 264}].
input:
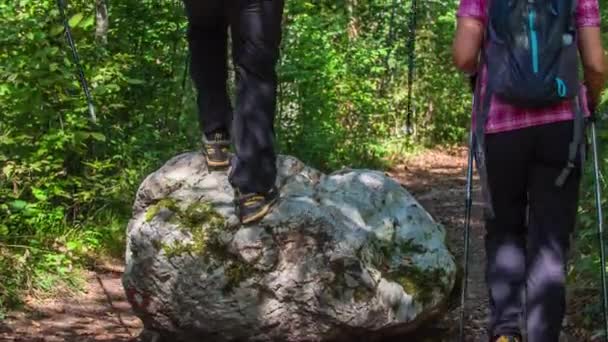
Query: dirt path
[
  {"x": 436, "y": 178},
  {"x": 101, "y": 313}
]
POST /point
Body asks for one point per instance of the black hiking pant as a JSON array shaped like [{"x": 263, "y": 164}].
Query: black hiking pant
[
  {"x": 527, "y": 242},
  {"x": 256, "y": 35}
]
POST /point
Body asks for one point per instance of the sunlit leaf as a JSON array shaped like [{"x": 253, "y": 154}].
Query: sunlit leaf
[
  {"x": 39, "y": 194},
  {"x": 3, "y": 230},
  {"x": 57, "y": 30},
  {"x": 88, "y": 22},
  {"x": 134, "y": 81},
  {"x": 18, "y": 205},
  {"x": 98, "y": 136},
  {"x": 75, "y": 19}
]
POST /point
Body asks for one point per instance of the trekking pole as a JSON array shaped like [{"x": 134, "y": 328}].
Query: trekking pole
[
  {"x": 600, "y": 226},
  {"x": 83, "y": 80},
  {"x": 467, "y": 229},
  {"x": 411, "y": 66}
]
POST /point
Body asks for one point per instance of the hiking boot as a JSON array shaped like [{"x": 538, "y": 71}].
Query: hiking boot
[
  {"x": 505, "y": 338},
  {"x": 216, "y": 148},
  {"x": 253, "y": 207}
]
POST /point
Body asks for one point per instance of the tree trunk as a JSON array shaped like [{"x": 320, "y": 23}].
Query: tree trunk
[
  {"x": 353, "y": 25},
  {"x": 102, "y": 21}
]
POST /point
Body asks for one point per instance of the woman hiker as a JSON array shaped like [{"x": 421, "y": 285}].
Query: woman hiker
[{"x": 527, "y": 237}]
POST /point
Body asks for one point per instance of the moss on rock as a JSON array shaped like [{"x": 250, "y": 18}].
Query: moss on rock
[
  {"x": 363, "y": 294},
  {"x": 408, "y": 247},
  {"x": 389, "y": 256},
  {"x": 176, "y": 249},
  {"x": 236, "y": 272},
  {"x": 199, "y": 219},
  {"x": 381, "y": 252},
  {"x": 165, "y": 203},
  {"x": 204, "y": 225},
  {"x": 418, "y": 283},
  {"x": 157, "y": 244}
]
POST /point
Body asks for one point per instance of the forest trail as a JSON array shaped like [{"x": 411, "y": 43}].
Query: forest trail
[
  {"x": 436, "y": 178},
  {"x": 101, "y": 313}
]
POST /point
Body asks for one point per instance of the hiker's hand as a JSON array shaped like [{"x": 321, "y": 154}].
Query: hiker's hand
[
  {"x": 592, "y": 106},
  {"x": 592, "y": 109},
  {"x": 595, "y": 64}
]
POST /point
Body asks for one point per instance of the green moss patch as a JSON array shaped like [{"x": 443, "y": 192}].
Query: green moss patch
[
  {"x": 199, "y": 219},
  {"x": 204, "y": 225},
  {"x": 387, "y": 257},
  {"x": 236, "y": 272},
  {"x": 383, "y": 251},
  {"x": 176, "y": 249},
  {"x": 167, "y": 203},
  {"x": 363, "y": 294},
  {"x": 420, "y": 284}
]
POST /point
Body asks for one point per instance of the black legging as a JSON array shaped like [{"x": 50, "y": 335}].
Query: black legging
[
  {"x": 529, "y": 249},
  {"x": 256, "y": 36}
]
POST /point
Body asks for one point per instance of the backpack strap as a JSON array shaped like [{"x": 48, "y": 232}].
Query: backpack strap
[{"x": 577, "y": 145}]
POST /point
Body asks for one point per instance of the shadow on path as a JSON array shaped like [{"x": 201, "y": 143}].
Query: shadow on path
[{"x": 100, "y": 314}]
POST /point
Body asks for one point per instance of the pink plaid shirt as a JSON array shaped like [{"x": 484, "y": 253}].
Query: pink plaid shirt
[{"x": 504, "y": 117}]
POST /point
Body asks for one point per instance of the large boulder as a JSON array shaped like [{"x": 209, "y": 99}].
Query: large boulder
[{"x": 351, "y": 255}]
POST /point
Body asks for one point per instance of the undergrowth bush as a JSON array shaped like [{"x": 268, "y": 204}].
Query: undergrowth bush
[{"x": 67, "y": 184}]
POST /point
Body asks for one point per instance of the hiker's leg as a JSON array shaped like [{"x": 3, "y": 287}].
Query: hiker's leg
[
  {"x": 256, "y": 31},
  {"x": 552, "y": 219},
  {"x": 207, "y": 39},
  {"x": 508, "y": 156}
]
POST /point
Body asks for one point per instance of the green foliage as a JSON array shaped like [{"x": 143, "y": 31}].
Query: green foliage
[
  {"x": 343, "y": 96},
  {"x": 66, "y": 184}
]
